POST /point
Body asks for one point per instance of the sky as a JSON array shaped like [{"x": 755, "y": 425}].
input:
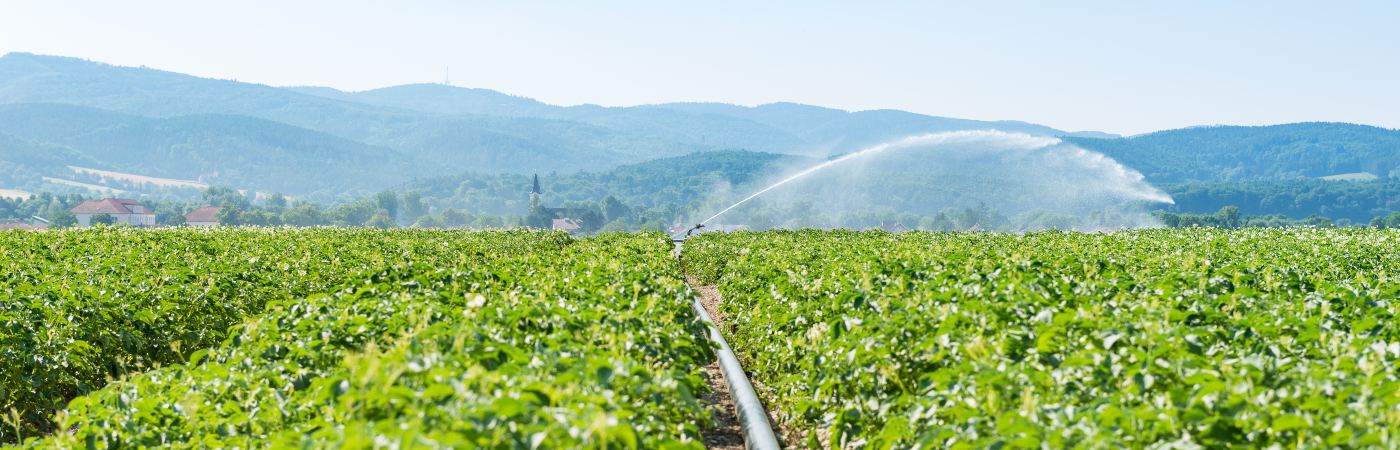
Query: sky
[{"x": 1116, "y": 66}]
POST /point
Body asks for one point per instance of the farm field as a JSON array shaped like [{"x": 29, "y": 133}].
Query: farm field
[
  {"x": 358, "y": 338},
  {"x": 139, "y": 179},
  {"x": 1157, "y": 338},
  {"x": 348, "y": 338}
]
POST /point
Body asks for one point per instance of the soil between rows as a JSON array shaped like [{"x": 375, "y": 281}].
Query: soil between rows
[{"x": 727, "y": 433}]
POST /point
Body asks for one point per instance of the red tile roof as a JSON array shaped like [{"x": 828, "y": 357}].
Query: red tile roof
[
  {"x": 111, "y": 206},
  {"x": 205, "y": 214}
]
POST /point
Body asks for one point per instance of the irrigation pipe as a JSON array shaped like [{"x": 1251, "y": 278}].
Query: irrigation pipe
[
  {"x": 758, "y": 433},
  {"x": 753, "y": 420}
]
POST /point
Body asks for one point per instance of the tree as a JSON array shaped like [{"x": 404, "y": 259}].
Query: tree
[
  {"x": 454, "y": 218},
  {"x": 1391, "y": 220},
  {"x": 539, "y": 217},
  {"x": 1318, "y": 221},
  {"x": 428, "y": 222},
  {"x": 1229, "y": 217},
  {"x": 169, "y": 212},
  {"x": 222, "y": 196},
  {"x": 381, "y": 220},
  {"x": 590, "y": 220},
  {"x": 614, "y": 226},
  {"x": 388, "y": 202},
  {"x": 62, "y": 219},
  {"x": 303, "y": 215},
  {"x": 614, "y": 209},
  {"x": 258, "y": 218},
  {"x": 102, "y": 219},
  {"x": 352, "y": 214},
  {"x": 173, "y": 220},
  {"x": 230, "y": 216},
  {"x": 485, "y": 222},
  {"x": 276, "y": 203},
  {"x": 411, "y": 204}
]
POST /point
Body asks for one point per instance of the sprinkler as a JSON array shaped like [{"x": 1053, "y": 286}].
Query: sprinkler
[{"x": 688, "y": 232}]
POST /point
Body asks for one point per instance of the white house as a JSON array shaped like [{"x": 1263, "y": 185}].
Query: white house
[
  {"x": 122, "y": 211},
  {"x": 207, "y": 216}
]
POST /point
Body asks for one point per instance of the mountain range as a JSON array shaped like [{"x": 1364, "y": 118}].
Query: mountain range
[{"x": 321, "y": 143}]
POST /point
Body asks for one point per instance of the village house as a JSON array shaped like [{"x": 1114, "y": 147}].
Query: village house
[
  {"x": 564, "y": 219},
  {"x": 567, "y": 225},
  {"x": 121, "y": 210},
  {"x": 207, "y": 216}
]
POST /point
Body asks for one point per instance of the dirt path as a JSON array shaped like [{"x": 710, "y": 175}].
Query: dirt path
[{"x": 726, "y": 434}]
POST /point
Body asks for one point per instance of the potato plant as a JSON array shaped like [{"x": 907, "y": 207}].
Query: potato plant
[
  {"x": 1181, "y": 338},
  {"x": 498, "y": 340}
]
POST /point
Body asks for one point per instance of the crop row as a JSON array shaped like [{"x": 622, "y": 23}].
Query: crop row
[
  {"x": 346, "y": 338},
  {"x": 1177, "y": 338},
  {"x": 82, "y": 307}
]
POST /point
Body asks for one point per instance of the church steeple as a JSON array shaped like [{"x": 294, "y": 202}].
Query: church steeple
[{"x": 536, "y": 197}]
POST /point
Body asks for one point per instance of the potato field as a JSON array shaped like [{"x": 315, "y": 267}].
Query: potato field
[
  {"x": 347, "y": 338},
  {"x": 1158, "y": 338}
]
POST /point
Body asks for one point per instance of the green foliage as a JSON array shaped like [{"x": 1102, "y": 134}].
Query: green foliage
[
  {"x": 1391, "y": 220},
  {"x": 652, "y": 184},
  {"x": 62, "y": 219},
  {"x": 455, "y": 219},
  {"x": 1357, "y": 201},
  {"x": 225, "y": 197},
  {"x": 303, "y": 215},
  {"x": 1156, "y": 338},
  {"x": 412, "y": 205},
  {"x": 173, "y": 220},
  {"x": 229, "y": 215},
  {"x": 352, "y": 214},
  {"x": 236, "y": 150},
  {"x": 1230, "y": 217},
  {"x": 454, "y": 339},
  {"x": 1214, "y": 154},
  {"x": 539, "y": 218},
  {"x": 381, "y": 220},
  {"x": 388, "y": 202},
  {"x": 83, "y": 306},
  {"x": 276, "y": 202}
]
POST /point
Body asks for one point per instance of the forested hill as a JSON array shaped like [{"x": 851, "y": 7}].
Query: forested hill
[
  {"x": 1278, "y": 152},
  {"x": 328, "y": 145},
  {"x": 383, "y": 137},
  {"x": 217, "y": 148},
  {"x": 1355, "y": 201},
  {"x": 670, "y": 184}
]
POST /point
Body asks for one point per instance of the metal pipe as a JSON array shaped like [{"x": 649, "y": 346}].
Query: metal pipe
[
  {"x": 677, "y": 240},
  {"x": 758, "y": 433}
]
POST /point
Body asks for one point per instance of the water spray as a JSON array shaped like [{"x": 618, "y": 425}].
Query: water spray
[
  {"x": 921, "y": 139},
  {"x": 1016, "y": 141}
]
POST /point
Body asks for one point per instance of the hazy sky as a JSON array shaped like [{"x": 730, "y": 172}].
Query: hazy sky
[{"x": 1117, "y": 66}]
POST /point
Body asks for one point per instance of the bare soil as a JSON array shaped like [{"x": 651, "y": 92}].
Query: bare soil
[
  {"x": 726, "y": 433},
  {"x": 710, "y": 300}
]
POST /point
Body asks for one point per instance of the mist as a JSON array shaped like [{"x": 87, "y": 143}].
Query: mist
[{"x": 963, "y": 180}]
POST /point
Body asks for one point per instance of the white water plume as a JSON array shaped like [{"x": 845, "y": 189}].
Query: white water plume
[{"x": 930, "y": 175}]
